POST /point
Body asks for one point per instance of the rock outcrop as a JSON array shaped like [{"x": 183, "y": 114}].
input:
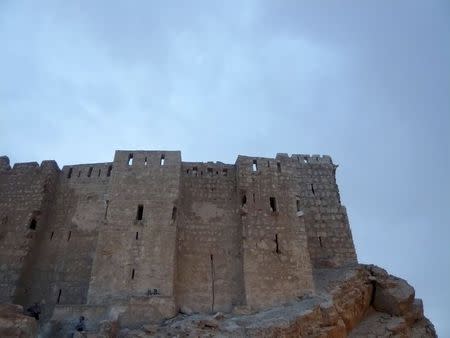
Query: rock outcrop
[
  {"x": 14, "y": 324},
  {"x": 356, "y": 301}
]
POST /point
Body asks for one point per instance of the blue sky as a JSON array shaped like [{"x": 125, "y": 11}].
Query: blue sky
[{"x": 367, "y": 82}]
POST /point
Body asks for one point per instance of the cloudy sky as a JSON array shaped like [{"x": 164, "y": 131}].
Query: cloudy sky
[{"x": 367, "y": 82}]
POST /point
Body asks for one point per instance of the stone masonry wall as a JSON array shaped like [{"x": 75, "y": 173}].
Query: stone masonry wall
[
  {"x": 276, "y": 260},
  {"x": 210, "y": 275},
  {"x": 149, "y": 233}
]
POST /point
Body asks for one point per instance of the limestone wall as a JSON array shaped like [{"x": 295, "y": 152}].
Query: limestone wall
[
  {"x": 210, "y": 276},
  {"x": 150, "y": 229}
]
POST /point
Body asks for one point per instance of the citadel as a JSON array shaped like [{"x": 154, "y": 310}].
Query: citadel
[
  {"x": 150, "y": 230},
  {"x": 148, "y": 236}
]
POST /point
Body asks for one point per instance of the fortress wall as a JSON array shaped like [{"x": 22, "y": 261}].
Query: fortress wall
[
  {"x": 134, "y": 257},
  {"x": 209, "y": 255},
  {"x": 330, "y": 240},
  {"x": 276, "y": 258},
  {"x": 24, "y": 204},
  {"x": 60, "y": 269}
]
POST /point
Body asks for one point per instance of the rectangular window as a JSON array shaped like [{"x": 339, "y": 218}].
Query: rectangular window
[
  {"x": 279, "y": 167},
  {"x": 99, "y": 172},
  {"x": 298, "y": 205},
  {"x": 174, "y": 214},
  {"x": 163, "y": 159},
  {"x": 51, "y": 236},
  {"x": 90, "y": 172},
  {"x": 69, "y": 175},
  {"x": 132, "y": 274},
  {"x": 130, "y": 159},
  {"x": 140, "y": 212},
  {"x": 59, "y": 296},
  {"x": 33, "y": 224},
  {"x": 137, "y": 235},
  {"x": 109, "y": 171},
  {"x": 194, "y": 171},
  {"x": 255, "y": 166},
  {"x": 210, "y": 171},
  {"x": 145, "y": 161},
  {"x": 273, "y": 204}
]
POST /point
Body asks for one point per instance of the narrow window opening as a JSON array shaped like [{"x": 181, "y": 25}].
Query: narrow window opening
[
  {"x": 70, "y": 235},
  {"x": 298, "y": 204},
  {"x": 244, "y": 200},
  {"x": 210, "y": 171},
  {"x": 194, "y": 171},
  {"x": 279, "y": 167},
  {"x": 79, "y": 173},
  {"x": 145, "y": 161},
  {"x": 163, "y": 159},
  {"x": 253, "y": 195},
  {"x": 277, "y": 246},
  {"x": 140, "y": 212},
  {"x": 130, "y": 159},
  {"x": 51, "y": 236},
  {"x": 109, "y": 171},
  {"x": 268, "y": 164},
  {"x": 255, "y": 166},
  {"x": 137, "y": 235},
  {"x": 59, "y": 296},
  {"x": 33, "y": 224},
  {"x": 225, "y": 172},
  {"x": 132, "y": 274},
  {"x": 69, "y": 175},
  {"x": 99, "y": 172},
  {"x": 320, "y": 242},
  {"x": 174, "y": 214},
  {"x": 273, "y": 204},
  {"x": 106, "y": 208},
  {"x": 312, "y": 189},
  {"x": 90, "y": 172},
  {"x": 217, "y": 173},
  {"x": 201, "y": 172},
  {"x": 187, "y": 171}
]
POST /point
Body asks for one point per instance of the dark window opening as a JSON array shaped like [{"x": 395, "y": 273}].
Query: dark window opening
[
  {"x": 109, "y": 171},
  {"x": 174, "y": 214},
  {"x": 320, "y": 242},
  {"x": 130, "y": 159},
  {"x": 225, "y": 172},
  {"x": 244, "y": 200},
  {"x": 99, "y": 172},
  {"x": 210, "y": 171},
  {"x": 51, "y": 236},
  {"x": 194, "y": 171},
  {"x": 253, "y": 195},
  {"x": 106, "y": 208},
  {"x": 137, "y": 235},
  {"x": 305, "y": 160},
  {"x": 273, "y": 204},
  {"x": 277, "y": 246},
  {"x": 33, "y": 224},
  {"x": 90, "y": 172},
  {"x": 312, "y": 189},
  {"x": 298, "y": 205},
  {"x": 187, "y": 171},
  {"x": 79, "y": 173},
  {"x": 255, "y": 166},
  {"x": 59, "y": 296},
  {"x": 132, "y": 274},
  {"x": 70, "y": 235},
  {"x": 268, "y": 164},
  {"x": 213, "y": 277},
  {"x": 217, "y": 173},
  {"x": 201, "y": 172},
  {"x": 69, "y": 174},
  {"x": 145, "y": 161},
  {"x": 279, "y": 167},
  {"x": 140, "y": 212},
  {"x": 163, "y": 159}
]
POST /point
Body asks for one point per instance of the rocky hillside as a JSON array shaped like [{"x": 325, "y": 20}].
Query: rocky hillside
[{"x": 357, "y": 301}]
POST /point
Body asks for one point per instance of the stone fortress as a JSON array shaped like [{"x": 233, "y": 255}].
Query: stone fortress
[
  {"x": 206, "y": 236},
  {"x": 147, "y": 236}
]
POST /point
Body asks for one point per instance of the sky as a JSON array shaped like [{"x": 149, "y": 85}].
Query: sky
[{"x": 366, "y": 82}]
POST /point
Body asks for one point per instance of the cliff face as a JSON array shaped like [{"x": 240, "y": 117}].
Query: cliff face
[{"x": 358, "y": 301}]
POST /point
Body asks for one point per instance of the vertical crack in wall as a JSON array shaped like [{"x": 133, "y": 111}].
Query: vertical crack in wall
[{"x": 212, "y": 282}]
